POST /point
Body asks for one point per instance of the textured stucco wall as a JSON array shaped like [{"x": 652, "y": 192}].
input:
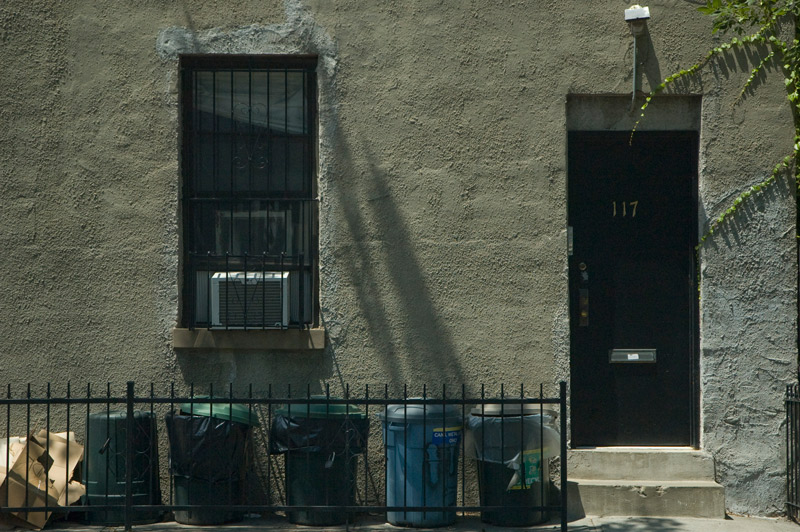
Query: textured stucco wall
[
  {"x": 442, "y": 187},
  {"x": 748, "y": 298}
]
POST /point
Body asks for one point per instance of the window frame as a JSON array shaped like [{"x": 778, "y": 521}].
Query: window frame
[{"x": 304, "y": 199}]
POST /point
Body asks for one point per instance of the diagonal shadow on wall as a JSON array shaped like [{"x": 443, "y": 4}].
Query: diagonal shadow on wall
[
  {"x": 736, "y": 223},
  {"x": 409, "y": 336}
]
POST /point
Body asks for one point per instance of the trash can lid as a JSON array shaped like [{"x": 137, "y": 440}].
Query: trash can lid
[
  {"x": 428, "y": 412},
  {"x": 319, "y": 407},
  {"x": 512, "y": 409},
  {"x": 227, "y": 411}
]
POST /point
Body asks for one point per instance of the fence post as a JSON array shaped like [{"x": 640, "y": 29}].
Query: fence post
[
  {"x": 129, "y": 456},
  {"x": 562, "y": 395},
  {"x": 788, "y": 451},
  {"x": 791, "y": 402}
]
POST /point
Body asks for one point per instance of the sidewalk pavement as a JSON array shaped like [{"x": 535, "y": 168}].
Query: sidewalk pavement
[
  {"x": 472, "y": 524},
  {"x": 682, "y": 524}
]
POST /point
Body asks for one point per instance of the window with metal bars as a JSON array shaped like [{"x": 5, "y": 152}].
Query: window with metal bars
[{"x": 248, "y": 192}]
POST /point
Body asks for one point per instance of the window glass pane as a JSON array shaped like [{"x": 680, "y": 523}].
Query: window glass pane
[
  {"x": 202, "y": 132},
  {"x": 204, "y": 163},
  {"x": 255, "y": 228},
  {"x": 259, "y": 133},
  {"x": 277, "y": 164},
  {"x": 204, "y": 101},
  {"x": 295, "y": 103},
  {"x": 241, "y": 100},
  {"x": 243, "y": 150},
  {"x": 232, "y": 221},
  {"x": 202, "y": 296},
  {"x": 259, "y": 99},
  {"x": 202, "y": 223},
  {"x": 277, "y": 102},
  {"x": 305, "y": 237},
  {"x": 295, "y": 167},
  {"x": 222, "y": 102},
  {"x": 278, "y": 229},
  {"x": 260, "y": 166},
  {"x": 223, "y": 162},
  {"x": 300, "y": 281}
]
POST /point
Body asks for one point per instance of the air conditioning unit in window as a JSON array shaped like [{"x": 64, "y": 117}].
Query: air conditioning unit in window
[{"x": 251, "y": 299}]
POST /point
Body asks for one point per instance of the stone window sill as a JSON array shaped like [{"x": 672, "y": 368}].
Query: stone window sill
[{"x": 264, "y": 340}]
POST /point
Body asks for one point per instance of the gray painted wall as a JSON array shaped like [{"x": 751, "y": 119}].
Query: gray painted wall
[{"x": 442, "y": 181}]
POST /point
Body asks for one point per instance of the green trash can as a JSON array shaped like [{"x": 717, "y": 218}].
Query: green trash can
[
  {"x": 104, "y": 467},
  {"x": 512, "y": 444},
  {"x": 321, "y": 442},
  {"x": 208, "y": 456}
]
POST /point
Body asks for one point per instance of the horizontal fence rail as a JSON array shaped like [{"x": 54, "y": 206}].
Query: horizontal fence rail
[{"x": 423, "y": 458}]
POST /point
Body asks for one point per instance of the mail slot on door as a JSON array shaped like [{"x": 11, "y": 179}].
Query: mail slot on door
[{"x": 632, "y": 356}]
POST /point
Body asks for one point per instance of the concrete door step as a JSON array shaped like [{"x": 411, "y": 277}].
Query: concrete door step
[
  {"x": 645, "y": 481},
  {"x": 675, "y": 498},
  {"x": 648, "y": 463}
]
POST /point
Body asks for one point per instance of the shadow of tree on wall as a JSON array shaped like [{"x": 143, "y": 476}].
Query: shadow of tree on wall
[
  {"x": 408, "y": 334},
  {"x": 731, "y": 230},
  {"x": 745, "y": 60}
]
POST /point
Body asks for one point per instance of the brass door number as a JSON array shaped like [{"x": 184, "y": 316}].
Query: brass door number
[{"x": 623, "y": 209}]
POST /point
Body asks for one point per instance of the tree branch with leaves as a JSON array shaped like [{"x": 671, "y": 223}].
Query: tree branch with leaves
[{"x": 770, "y": 23}]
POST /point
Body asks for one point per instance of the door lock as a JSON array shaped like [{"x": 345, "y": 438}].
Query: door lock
[{"x": 584, "y": 272}]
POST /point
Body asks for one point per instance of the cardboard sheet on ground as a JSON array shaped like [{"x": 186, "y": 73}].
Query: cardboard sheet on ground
[{"x": 38, "y": 472}]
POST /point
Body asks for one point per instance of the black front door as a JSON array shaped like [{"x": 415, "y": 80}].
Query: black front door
[{"x": 632, "y": 278}]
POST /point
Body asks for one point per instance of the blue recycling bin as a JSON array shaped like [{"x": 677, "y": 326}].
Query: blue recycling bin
[{"x": 422, "y": 447}]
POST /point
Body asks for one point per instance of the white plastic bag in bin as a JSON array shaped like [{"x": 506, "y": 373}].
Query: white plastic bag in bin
[{"x": 521, "y": 437}]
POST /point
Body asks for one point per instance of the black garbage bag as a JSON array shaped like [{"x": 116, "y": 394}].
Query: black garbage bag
[
  {"x": 311, "y": 435},
  {"x": 206, "y": 448}
]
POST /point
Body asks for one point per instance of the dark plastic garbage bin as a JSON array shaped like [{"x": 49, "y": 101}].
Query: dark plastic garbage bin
[
  {"x": 208, "y": 451},
  {"x": 104, "y": 467},
  {"x": 322, "y": 442},
  {"x": 512, "y": 444},
  {"x": 422, "y": 447}
]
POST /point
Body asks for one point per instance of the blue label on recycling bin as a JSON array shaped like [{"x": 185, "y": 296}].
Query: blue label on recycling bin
[{"x": 446, "y": 435}]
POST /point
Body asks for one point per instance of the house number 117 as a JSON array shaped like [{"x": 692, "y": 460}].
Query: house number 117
[{"x": 623, "y": 207}]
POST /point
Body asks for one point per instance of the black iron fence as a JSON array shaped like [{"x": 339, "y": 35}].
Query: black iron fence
[
  {"x": 793, "y": 452},
  {"x": 320, "y": 459}
]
